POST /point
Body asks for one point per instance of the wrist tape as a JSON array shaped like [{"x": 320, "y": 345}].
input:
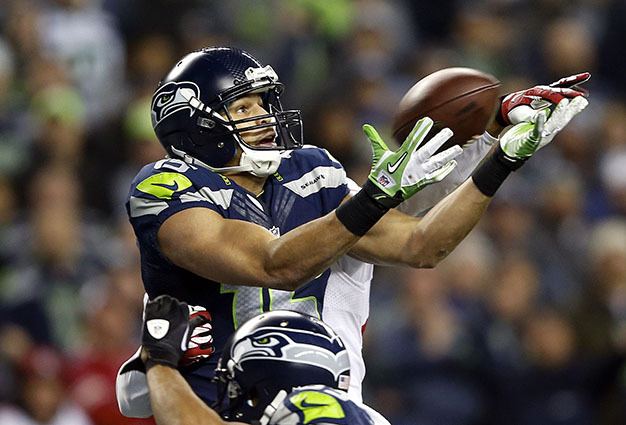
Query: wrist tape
[
  {"x": 490, "y": 175},
  {"x": 360, "y": 213}
]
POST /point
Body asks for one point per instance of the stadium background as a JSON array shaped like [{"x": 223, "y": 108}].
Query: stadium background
[{"x": 525, "y": 323}]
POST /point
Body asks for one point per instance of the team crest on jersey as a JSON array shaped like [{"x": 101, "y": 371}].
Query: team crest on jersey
[
  {"x": 173, "y": 97},
  {"x": 293, "y": 346}
]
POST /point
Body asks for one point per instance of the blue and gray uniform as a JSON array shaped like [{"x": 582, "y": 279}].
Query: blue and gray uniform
[
  {"x": 308, "y": 184},
  {"x": 317, "y": 404}
]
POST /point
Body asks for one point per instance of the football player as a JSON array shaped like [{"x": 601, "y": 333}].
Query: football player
[
  {"x": 243, "y": 218},
  {"x": 280, "y": 367}
]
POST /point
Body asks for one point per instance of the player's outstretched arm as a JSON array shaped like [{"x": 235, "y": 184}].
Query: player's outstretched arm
[
  {"x": 166, "y": 332},
  {"x": 402, "y": 239},
  {"x": 242, "y": 253},
  {"x": 513, "y": 108}
]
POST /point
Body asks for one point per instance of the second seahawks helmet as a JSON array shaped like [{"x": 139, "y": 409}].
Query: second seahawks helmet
[
  {"x": 276, "y": 351},
  {"x": 191, "y": 120}
]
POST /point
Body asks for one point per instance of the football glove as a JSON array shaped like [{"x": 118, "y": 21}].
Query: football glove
[
  {"x": 396, "y": 176},
  {"x": 524, "y": 139},
  {"x": 524, "y": 105},
  {"x": 200, "y": 346},
  {"x": 166, "y": 331},
  {"x": 520, "y": 142}
]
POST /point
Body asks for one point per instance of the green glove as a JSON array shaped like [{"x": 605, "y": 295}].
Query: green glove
[
  {"x": 526, "y": 138},
  {"x": 522, "y": 140},
  {"x": 396, "y": 176}
]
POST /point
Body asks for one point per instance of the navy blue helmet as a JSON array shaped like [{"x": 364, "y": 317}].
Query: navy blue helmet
[
  {"x": 190, "y": 116},
  {"x": 275, "y": 351}
]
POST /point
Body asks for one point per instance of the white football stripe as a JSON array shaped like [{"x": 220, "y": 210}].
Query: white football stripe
[
  {"x": 220, "y": 197},
  {"x": 141, "y": 206},
  {"x": 317, "y": 179}
]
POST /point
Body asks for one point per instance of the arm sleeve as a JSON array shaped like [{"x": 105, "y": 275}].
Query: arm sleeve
[{"x": 473, "y": 154}]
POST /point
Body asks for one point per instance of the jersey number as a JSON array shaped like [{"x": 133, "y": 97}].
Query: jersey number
[{"x": 249, "y": 301}]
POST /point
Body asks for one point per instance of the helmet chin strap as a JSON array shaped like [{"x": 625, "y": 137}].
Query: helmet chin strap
[{"x": 259, "y": 163}]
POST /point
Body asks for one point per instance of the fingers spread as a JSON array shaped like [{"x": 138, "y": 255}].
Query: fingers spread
[
  {"x": 563, "y": 114},
  {"x": 572, "y": 80},
  {"x": 437, "y": 161},
  {"x": 440, "y": 173},
  {"x": 420, "y": 130},
  {"x": 379, "y": 147},
  {"x": 435, "y": 143},
  {"x": 578, "y": 104}
]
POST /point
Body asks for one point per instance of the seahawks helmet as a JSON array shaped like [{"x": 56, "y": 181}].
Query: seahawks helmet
[
  {"x": 276, "y": 351},
  {"x": 191, "y": 119}
]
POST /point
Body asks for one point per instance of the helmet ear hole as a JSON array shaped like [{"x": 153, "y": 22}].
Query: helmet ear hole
[{"x": 206, "y": 123}]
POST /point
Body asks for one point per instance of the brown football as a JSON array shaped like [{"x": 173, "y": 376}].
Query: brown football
[{"x": 462, "y": 99}]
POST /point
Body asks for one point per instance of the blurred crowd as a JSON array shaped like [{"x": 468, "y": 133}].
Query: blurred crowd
[{"x": 525, "y": 323}]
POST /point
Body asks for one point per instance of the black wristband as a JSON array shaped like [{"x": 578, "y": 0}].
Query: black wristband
[
  {"x": 360, "y": 213},
  {"x": 490, "y": 175}
]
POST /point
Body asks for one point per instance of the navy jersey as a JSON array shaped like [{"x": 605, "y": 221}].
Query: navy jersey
[
  {"x": 308, "y": 184},
  {"x": 316, "y": 404}
]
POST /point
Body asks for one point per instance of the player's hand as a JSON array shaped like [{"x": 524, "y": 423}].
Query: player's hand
[
  {"x": 573, "y": 82},
  {"x": 524, "y": 105},
  {"x": 396, "y": 176},
  {"x": 166, "y": 331},
  {"x": 524, "y": 139},
  {"x": 200, "y": 346}
]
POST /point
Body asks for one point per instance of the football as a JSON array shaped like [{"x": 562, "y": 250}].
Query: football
[{"x": 462, "y": 99}]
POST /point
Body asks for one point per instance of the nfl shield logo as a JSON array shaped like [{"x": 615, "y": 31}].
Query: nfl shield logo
[{"x": 383, "y": 180}]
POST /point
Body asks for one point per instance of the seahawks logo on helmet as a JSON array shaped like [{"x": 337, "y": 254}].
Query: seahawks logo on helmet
[
  {"x": 173, "y": 97},
  {"x": 290, "y": 345}
]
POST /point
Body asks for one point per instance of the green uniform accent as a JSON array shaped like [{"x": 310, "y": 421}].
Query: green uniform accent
[
  {"x": 388, "y": 166},
  {"x": 248, "y": 302},
  {"x": 164, "y": 185},
  {"x": 523, "y": 140},
  {"x": 316, "y": 405}
]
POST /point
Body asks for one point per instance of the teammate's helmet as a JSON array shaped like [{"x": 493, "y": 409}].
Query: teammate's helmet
[
  {"x": 187, "y": 104},
  {"x": 276, "y": 351}
]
